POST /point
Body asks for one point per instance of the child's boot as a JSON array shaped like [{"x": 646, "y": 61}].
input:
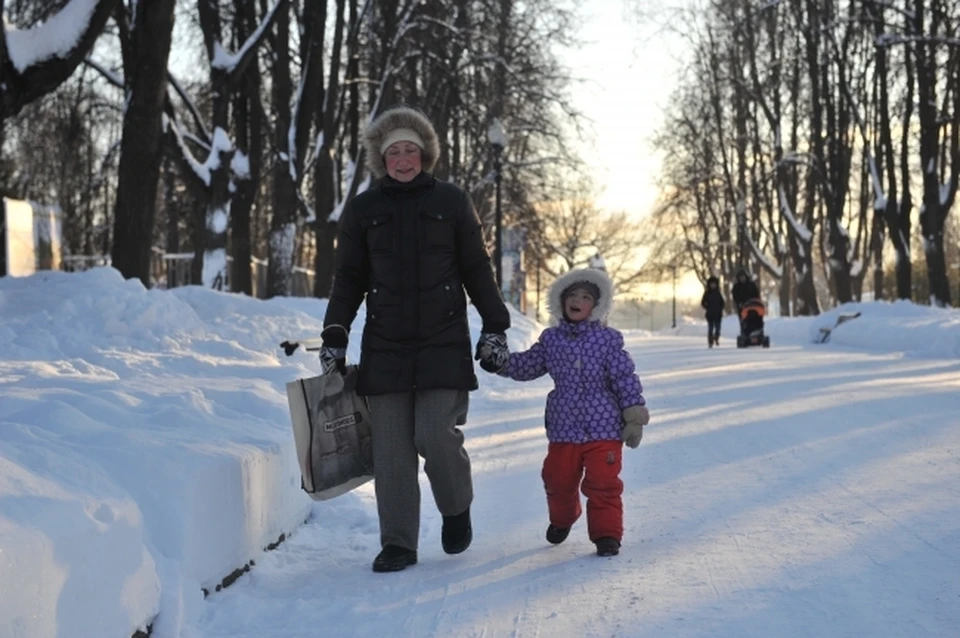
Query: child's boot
[
  {"x": 557, "y": 535},
  {"x": 607, "y": 546}
]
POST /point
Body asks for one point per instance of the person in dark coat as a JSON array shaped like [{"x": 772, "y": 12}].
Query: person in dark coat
[
  {"x": 411, "y": 246},
  {"x": 744, "y": 289},
  {"x": 713, "y": 302}
]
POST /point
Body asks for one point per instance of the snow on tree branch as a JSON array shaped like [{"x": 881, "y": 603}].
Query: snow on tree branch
[
  {"x": 236, "y": 63},
  {"x": 192, "y": 107},
  {"x": 58, "y": 37},
  {"x": 196, "y": 170},
  {"x": 37, "y": 60},
  {"x": 200, "y": 171},
  {"x": 802, "y": 231}
]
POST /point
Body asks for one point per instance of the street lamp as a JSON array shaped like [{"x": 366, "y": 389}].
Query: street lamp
[
  {"x": 674, "y": 295},
  {"x": 498, "y": 140}
]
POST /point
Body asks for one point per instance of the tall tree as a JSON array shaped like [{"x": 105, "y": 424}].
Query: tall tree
[
  {"x": 249, "y": 117},
  {"x": 212, "y": 180},
  {"x": 936, "y": 47},
  {"x": 146, "y": 35}
]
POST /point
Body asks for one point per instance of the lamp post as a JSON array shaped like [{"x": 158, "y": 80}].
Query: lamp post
[
  {"x": 498, "y": 140},
  {"x": 674, "y": 295}
]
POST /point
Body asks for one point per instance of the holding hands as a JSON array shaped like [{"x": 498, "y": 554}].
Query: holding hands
[{"x": 492, "y": 351}]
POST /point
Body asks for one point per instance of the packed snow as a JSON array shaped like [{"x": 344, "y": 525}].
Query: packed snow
[{"x": 146, "y": 454}]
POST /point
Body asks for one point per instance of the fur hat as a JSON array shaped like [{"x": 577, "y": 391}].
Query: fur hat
[
  {"x": 587, "y": 278},
  {"x": 400, "y": 124}
]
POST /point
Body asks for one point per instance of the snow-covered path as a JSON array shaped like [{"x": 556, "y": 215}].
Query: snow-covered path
[{"x": 790, "y": 492}]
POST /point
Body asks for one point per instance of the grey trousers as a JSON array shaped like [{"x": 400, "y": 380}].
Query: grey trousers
[{"x": 406, "y": 426}]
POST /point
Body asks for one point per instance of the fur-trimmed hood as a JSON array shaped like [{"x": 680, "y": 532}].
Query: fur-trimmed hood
[
  {"x": 597, "y": 277},
  {"x": 390, "y": 120}
]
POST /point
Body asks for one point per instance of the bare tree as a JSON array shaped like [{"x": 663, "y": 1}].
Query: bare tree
[
  {"x": 576, "y": 233},
  {"x": 146, "y": 33},
  {"x": 248, "y": 113},
  {"x": 211, "y": 179},
  {"x": 937, "y": 27}
]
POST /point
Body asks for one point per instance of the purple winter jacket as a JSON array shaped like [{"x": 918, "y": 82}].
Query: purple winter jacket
[{"x": 594, "y": 379}]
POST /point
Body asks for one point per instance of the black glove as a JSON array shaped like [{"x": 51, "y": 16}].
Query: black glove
[
  {"x": 492, "y": 351},
  {"x": 333, "y": 352}
]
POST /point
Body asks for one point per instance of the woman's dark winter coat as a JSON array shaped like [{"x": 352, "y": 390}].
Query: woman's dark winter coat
[
  {"x": 712, "y": 300},
  {"x": 411, "y": 249},
  {"x": 745, "y": 289}
]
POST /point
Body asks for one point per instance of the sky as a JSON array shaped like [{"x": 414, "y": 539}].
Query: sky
[{"x": 628, "y": 70}]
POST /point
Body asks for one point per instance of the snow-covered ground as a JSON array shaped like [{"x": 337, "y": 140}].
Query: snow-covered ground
[{"x": 145, "y": 453}]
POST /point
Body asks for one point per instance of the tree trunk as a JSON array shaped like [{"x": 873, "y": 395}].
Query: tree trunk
[
  {"x": 283, "y": 225},
  {"x": 786, "y": 293},
  {"x": 170, "y": 205},
  {"x": 248, "y": 123},
  {"x": 141, "y": 145},
  {"x": 935, "y": 207},
  {"x": 325, "y": 231}
]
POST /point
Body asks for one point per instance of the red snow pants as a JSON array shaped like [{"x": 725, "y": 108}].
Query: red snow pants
[{"x": 594, "y": 468}]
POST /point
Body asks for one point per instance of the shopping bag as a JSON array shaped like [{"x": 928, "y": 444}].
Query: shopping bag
[{"x": 331, "y": 431}]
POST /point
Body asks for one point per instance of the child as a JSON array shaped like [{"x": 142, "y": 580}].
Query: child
[
  {"x": 713, "y": 303},
  {"x": 596, "y": 405}
]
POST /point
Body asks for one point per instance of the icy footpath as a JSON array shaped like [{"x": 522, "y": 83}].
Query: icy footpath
[{"x": 145, "y": 451}]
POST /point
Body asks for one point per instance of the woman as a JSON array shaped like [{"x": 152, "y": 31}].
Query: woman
[
  {"x": 412, "y": 246},
  {"x": 713, "y": 302}
]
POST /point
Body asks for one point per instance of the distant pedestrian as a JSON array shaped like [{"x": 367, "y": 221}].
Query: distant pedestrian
[
  {"x": 744, "y": 289},
  {"x": 713, "y": 302}
]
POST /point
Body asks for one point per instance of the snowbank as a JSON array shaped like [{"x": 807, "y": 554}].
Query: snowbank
[
  {"x": 145, "y": 446},
  {"x": 899, "y": 326}
]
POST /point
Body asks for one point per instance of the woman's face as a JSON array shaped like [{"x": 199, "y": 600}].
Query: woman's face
[
  {"x": 578, "y": 305},
  {"x": 403, "y": 161}
]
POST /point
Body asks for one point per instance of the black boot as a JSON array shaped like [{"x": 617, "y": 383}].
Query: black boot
[
  {"x": 393, "y": 558},
  {"x": 557, "y": 535},
  {"x": 607, "y": 546},
  {"x": 457, "y": 532}
]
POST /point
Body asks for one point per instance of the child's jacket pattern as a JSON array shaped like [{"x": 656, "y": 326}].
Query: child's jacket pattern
[{"x": 594, "y": 378}]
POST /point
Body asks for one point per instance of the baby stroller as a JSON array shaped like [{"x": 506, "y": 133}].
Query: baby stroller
[{"x": 751, "y": 325}]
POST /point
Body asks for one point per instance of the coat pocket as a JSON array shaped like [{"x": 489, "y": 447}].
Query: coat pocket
[
  {"x": 438, "y": 231},
  {"x": 454, "y": 298},
  {"x": 380, "y": 235}
]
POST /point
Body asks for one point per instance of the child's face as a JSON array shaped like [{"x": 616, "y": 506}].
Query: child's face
[{"x": 578, "y": 305}]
